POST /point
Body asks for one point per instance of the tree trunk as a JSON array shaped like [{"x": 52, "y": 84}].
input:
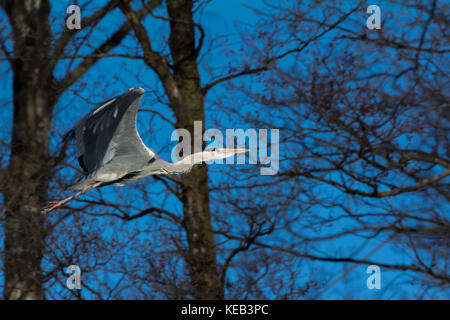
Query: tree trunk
[
  {"x": 36, "y": 92},
  {"x": 201, "y": 257},
  {"x": 25, "y": 187},
  {"x": 27, "y": 179}
]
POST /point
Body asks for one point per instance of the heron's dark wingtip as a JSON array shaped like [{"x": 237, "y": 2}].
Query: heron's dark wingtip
[
  {"x": 139, "y": 91},
  {"x": 69, "y": 134}
]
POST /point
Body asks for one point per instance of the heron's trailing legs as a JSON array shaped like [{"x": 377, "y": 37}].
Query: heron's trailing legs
[{"x": 55, "y": 204}]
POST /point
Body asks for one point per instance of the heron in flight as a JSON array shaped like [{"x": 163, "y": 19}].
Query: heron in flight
[{"x": 110, "y": 150}]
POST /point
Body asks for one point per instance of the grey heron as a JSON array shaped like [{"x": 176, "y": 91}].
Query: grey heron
[{"x": 110, "y": 150}]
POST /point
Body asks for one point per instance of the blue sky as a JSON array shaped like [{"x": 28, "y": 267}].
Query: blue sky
[{"x": 223, "y": 21}]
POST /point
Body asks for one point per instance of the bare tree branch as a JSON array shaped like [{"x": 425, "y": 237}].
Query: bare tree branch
[
  {"x": 106, "y": 46},
  {"x": 67, "y": 35}
]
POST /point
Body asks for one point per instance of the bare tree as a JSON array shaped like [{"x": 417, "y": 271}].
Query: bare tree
[
  {"x": 33, "y": 55},
  {"x": 364, "y": 134},
  {"x": 363, "y": 119},
  {"x": 178, "y": 72}
]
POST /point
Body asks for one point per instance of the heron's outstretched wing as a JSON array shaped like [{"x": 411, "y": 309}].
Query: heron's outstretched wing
[{"x": 110, "y": 130}]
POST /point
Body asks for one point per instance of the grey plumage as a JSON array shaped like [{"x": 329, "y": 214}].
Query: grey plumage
[
  {"x": 110, "y": 150},
  {"x": 108, "y": 144}
]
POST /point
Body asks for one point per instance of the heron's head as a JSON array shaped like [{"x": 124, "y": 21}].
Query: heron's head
[
  {"x": 220, "y": 153},
  {"x": 210, "y": 154}
]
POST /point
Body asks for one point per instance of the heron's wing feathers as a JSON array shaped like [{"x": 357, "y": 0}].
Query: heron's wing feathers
[{"x": 110, "y": 130}]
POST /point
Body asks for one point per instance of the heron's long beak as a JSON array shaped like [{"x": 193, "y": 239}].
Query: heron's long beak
[{"x": 230, "y": 152}]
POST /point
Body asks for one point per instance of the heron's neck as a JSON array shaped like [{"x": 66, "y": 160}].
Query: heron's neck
[{"x": 184, "y": 165}]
